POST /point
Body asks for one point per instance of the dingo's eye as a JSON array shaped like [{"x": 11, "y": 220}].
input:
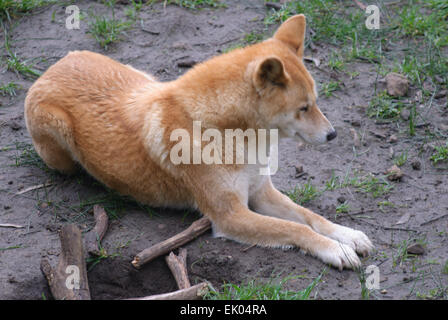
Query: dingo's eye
[{"x": 304, "y": 108}]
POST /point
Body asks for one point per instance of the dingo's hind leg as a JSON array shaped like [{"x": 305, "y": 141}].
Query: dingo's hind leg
[{"x": 52, "y": 135}]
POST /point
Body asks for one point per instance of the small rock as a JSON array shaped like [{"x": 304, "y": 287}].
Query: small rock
[
  {"x": 397, "y": 84},
  {"x": 384, "y": 291},
  {"x": 394, "y": 173},
  {"x": 341, "y": 199},
  {"x": 416, "y": 249},
  {"x": 12, "y": 279},
  {"x": 161, "y": 226},
  {"x": 392, "y": 139},
  {"x": 14, "y": 125},
  {"x": 391, "y": 152},
  {"x": 299, "y": 171},
  {"x": 416, "y": 165},
  {"x": 405, "y": 114}
]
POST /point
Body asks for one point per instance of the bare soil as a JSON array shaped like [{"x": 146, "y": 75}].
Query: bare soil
[{"x": 156, "y": 43}]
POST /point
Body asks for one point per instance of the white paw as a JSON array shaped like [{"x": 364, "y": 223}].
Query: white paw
[
  {"x": 353, "y": 238},
  {"x": 340, "y": 256}
]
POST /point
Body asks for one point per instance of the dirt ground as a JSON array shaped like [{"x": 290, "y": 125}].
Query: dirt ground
[{"x": 413, "y": 211}]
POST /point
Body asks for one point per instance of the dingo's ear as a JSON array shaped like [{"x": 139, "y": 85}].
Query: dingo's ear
[
  {"x": 270, "y": 70},
  {"x": 292, "y": 32}
]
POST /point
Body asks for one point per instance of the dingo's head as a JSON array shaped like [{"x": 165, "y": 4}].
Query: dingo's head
[{"x": 287, "y": 93}]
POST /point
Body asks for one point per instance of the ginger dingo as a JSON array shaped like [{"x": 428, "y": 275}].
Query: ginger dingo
[{"x": 116, "y": 121}]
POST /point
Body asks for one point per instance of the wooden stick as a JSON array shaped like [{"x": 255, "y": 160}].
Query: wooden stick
[
  {"x": 196, "y": 229},
  {"x": 433, "y": 220},
  {"x": 196, "y": 292},
  {"x": 93, "y": 238},
  {"x": 178, "y": 266},
  {"x": 10, "y": 225},
  {"x": 39, "y": 186},
  {"x": 69, "y": 280}
]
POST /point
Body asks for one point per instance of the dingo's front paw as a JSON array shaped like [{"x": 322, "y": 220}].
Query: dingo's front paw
[
  {"x": 340, "y": 256},
  {"x": 353, "y": 238}
]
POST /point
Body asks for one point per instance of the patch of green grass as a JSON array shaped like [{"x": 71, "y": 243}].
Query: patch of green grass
[
  {"x": 9, "y": 89},
  {"x": 401, "y": 255},
  {"x": 10, "y": 9},
  {"x": 233, "y": 47},
  {"x": 414, "y": 20},
  {"x": 377, "y": 186},
  {"x": 253, "y": 37},
  {"x": 445, "y": 268},
  {"x": 107, "y": 30},
  {"x": 336, "y": 61},
  {"x": 271, "y": 290},
  {"x": 385, "y": 204},
  {"x": 92, "y": 261},
  {"x": 401, "y": 159},
  {"x": 13, "y": 63},
  {"x": 343, "y": 208},
  {"x": 365, "y": 292},
  {"x": 331, "y": 23},
  {"x": 26, "y": 156},
  {"x": 248, "y": 39},
  {"x": 433, "y": 294},
  {"x": 79, "y": 211},
  {"x": 384, "y": 106},
  {"x": 333, "y": 183},
  {"x": 440, "y": 153},
  {"x": 328, "y": 88},
  {"x": 133, "y": 11},
  {"x": 304, "y": 194},
  {"x": 426, "y": 62}
]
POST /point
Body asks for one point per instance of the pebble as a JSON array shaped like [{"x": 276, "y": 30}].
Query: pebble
[
  {"x": 416, "y": 249},
  {"x": 341, "y": 199},
  {"x": 397, "y": 84},
  {"x": 416, "y": 165},
  {"x": 392, "y": 139},
  {"x": 394, "y": 173},
  {"x": 405, "y": 114}
]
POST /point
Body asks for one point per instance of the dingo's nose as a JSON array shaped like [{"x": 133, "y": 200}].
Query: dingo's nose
[{"x": 331, "y": 135}]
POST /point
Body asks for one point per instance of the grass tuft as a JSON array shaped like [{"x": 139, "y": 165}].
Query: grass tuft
[
  {"x": 271, "y": 290},
  {"x": 9, "y": 89}
]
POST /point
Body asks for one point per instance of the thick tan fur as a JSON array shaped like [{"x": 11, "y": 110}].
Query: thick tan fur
[{"x": 116, "y": 122}]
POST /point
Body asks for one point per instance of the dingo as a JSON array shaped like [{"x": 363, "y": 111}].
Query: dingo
[{"x": 116, "y": 122}]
